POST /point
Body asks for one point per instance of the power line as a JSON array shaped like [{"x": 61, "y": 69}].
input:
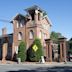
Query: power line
[{"x": 3, "y": 20}]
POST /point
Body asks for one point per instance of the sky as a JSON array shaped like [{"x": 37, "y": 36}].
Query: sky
[{"x": 59, "y": 12}]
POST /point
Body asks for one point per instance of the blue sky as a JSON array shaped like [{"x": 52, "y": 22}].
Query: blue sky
[{"x": 59, "y": 12}]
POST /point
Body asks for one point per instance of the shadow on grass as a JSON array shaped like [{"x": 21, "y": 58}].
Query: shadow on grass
[{"x": 48, "y": 69}]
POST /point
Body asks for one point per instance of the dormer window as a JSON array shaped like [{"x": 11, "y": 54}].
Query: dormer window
[
  {"x": 20, "y": 23},
  {"x": 32, "y": 15}
]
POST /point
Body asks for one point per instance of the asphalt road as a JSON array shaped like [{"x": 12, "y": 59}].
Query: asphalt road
[{"x": 36, "y": 67}]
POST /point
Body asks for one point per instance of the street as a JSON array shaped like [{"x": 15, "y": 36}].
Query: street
[{"x": 36, "y": 67}]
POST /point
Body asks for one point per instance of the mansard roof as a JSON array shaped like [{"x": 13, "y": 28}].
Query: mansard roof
[
  {"x": 34, "y": 7},
  {"x": 48, "y": 20},
  {"x": 19, "y": 16}
]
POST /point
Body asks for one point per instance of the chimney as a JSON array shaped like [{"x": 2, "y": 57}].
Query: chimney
[{"x": 4, "y": 31}]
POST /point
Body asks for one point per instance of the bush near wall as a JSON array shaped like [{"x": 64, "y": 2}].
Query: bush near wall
[
  {"x": 22, "y": 51},
  {"x": 35, "y": 55}
]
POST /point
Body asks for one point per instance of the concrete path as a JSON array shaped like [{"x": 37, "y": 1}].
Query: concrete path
[{"x": 36, "y": 67}]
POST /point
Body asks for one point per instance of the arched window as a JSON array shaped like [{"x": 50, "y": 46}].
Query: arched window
[
  {"x": 38, "y": 16},
  {"x": 18, "y": 24},
  {"x": 44, "y": 35},
  {"x": 19, "y": 36},
  {"x": 31, "y": 34},
  {"x": 21, "y": 23}
]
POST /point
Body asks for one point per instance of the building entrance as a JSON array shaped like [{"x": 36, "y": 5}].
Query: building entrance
[{"x": 56, "y": 52}]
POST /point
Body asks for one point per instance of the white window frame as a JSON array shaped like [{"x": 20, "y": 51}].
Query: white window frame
[
  {"x": 31, "y": 34},
  {"x": 20, "y": 36},
  {"x": 21, "y": 23},
  {"x": 17, "y": 24}
]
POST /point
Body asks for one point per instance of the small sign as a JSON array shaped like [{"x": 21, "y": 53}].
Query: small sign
[{"x": 35, "y": 48}]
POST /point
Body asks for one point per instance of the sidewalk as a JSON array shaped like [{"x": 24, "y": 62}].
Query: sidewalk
[
  {"x": 12, "y": 62},
  {"x": 8, "y": 62}
]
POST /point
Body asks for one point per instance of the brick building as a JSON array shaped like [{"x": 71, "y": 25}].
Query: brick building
[{"x": 35, "y": 24}]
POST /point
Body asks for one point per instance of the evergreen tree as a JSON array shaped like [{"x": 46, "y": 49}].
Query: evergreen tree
[
  {"x": 36, "y": 55},
  {"x": 22, "y": 51},
  {"x": 55, "y": 35}
]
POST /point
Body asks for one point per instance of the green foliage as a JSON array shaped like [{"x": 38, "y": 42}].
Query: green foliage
[
  {"x": 35, "y": 55},
  {"x": 54, "y": 35},
  {"x": 22, "y": 51}
]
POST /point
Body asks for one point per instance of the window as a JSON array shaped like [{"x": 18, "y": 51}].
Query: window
[
  {"x": 31, "y": 34},
  {"x": 32, "y": 15},
  {"x": 19, "y": 36},
  {"x": 44, "y": 35},
  {"x": 20, "y": 23},
  {"x": 38, "y": 16}
]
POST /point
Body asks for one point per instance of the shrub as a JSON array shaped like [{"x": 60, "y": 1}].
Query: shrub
[
  {"x": 36, "y": 55},
  {"x": 22, "y": 51}
]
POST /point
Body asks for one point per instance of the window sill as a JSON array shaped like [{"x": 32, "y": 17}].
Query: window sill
[
  {"x": 19, "y": 40},
  {"x": 31, "y": 39}
]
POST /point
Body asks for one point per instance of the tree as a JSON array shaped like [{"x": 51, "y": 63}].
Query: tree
[
  {"x": 36, "y": 55},
  {"x": 22, "y": 51},
  {"x": 55, "y": 35}
]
